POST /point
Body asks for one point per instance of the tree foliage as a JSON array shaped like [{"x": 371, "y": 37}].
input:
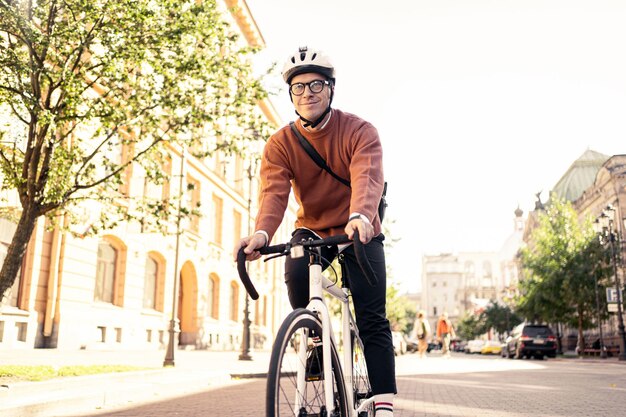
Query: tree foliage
[
  {"x": 470, "y": 327},
  {"x": 85, "y": 81},
  {"x": 501, "y": 318},
  {"x": 400, "y": 310},
  {"x": 560, "y": 266}
]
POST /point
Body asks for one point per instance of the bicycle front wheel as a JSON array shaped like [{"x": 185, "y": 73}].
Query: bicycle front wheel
[
  {"x": 290, "y": 389},
  {"x": 361, "y": 387}
]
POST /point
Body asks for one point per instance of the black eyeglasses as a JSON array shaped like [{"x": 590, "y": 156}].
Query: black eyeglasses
[{"x": 316, "y": 86}]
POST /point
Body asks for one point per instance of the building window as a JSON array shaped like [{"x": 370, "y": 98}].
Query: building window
[
  {"x": 264, "y": 311},
  {"x": 150, "y": 283},
  {"x": 237, "y": 224},
  {"x": 234, "y": 301},
  {"x": 239, "y": 173},
  {"x": 193, "y": 203},
  {"x": 218, "y": 205},
  {"x": 109, "y": 286},
  {"x": 105, "y": 272},
  {"x": 213, "y": 297},
  {"x": 487, "y": 269}
]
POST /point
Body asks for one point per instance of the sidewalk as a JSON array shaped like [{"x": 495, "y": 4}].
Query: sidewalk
[{"x": 193, "y": 371}]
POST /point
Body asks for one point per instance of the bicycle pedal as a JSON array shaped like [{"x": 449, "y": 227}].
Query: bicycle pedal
[{"x": 315, "y": 365}]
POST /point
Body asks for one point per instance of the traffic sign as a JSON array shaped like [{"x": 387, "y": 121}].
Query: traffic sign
[
  {"x": 611, "y": 295},
  {"x": 612, "y": 308}
]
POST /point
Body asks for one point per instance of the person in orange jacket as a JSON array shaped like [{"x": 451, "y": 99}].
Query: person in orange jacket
[{"x": 445, "y": 332}]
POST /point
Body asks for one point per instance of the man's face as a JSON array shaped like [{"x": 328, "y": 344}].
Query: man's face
[{"x": 311, "y": 105}]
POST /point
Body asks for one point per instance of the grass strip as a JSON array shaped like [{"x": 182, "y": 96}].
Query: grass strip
[{"x": 45, "y": 372}]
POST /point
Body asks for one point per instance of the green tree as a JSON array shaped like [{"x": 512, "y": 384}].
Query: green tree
[
  {"x": 559, "y": 266},
  {"x": 470, "y": 327},
  {"x": 400, "y": 310},
  {"x": 499, "y": 317},
  {"x": 81, "y": 80}
]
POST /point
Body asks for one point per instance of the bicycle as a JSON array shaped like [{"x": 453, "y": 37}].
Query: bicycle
[{"x": 292, "y": 390}]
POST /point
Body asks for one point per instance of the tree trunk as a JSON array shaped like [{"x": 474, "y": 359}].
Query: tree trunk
[
  {"x": 581, "y": 336},
  {"x": 17, "y": 250}
]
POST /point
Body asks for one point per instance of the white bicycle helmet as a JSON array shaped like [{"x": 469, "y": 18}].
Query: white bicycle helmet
[{"x": 306, "y": 60}]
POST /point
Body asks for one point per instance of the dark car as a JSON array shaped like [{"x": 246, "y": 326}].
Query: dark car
[{"x": 528, "y": 340}]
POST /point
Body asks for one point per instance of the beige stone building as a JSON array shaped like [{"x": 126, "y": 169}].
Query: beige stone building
[
  {"x": 466, "y": 282},
  {"x": 121, "y": 289}
]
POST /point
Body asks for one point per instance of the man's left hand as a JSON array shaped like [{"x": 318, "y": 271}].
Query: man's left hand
[{"x": 366, "y": 230}]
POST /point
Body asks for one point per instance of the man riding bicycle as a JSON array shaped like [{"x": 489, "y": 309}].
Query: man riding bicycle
[{"x": 351, "y": 147}]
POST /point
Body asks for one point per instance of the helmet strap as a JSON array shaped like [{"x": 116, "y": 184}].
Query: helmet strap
[{"x": 314, "y": 123}]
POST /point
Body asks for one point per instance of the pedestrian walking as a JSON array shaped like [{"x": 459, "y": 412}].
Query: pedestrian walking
[
  {"x": 445, "y": 332},
  {"x": 421, "y": 333}
]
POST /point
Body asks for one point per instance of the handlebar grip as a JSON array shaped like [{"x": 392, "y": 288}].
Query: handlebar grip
[
  {"x": 361, "y": 257},
  {"x": 243, "y": 275},
  {"x": 268, "y": 250}
]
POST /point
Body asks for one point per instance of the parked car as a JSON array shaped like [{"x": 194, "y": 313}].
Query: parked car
[
  {"x": 504, "y": 352},
  {"x": 491, "y": 347},
  {"x": 459, "y": 346},
  {"x": 474, "y": 346},
  {"x": 433, "y": 345},
  {"x": 528, "y": 340},
  {"x": 454, "y": 345},
  {"x": 399, "y": 343}
]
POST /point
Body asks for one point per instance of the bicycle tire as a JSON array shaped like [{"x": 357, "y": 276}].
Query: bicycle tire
[
  {"x": 361, "y": 387},
  {"x": 281, "y": 378}
]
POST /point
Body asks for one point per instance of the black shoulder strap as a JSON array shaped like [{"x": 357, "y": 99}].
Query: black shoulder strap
[{"x": 316, "y": 156}]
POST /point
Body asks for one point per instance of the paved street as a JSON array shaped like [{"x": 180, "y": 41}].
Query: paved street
[{"x": 463, "y": 385}]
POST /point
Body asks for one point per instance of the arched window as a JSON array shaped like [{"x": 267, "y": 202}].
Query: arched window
[
  {"x": 150, "y": 283},
  {"x": 234, "y": 301},
  {"x": 213, "y": 297},
  {"x": 110, "y": 271},
  {"x": 105, "y": 272},
  {"x": 487, "y": 269},
  {"x": 469, "y": 273}
]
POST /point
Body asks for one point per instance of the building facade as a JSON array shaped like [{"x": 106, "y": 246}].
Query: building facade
[
  {"x": 592, "y": 183},
  {"x": 466, "y": 282},
  {"x": 124, "y": 288}
]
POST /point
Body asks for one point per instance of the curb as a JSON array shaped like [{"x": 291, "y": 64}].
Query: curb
[{"x": 61, "y": 396}]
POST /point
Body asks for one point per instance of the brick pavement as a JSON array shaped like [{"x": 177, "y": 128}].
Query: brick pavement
[{"x": 461, "y": 386}]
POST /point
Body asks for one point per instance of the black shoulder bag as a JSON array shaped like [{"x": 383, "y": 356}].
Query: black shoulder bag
[{"x": 310, "y": 150}]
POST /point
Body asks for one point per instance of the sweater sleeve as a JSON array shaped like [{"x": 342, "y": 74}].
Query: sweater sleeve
[
  {"x": 275, "y": 188},
  {"x": 366, "y": 172}
]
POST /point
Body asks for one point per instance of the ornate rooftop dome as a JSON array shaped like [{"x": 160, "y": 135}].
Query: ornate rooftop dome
[{"x": 580, "y": 175}]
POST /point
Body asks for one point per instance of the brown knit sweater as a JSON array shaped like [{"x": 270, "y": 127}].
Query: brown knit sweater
[{"x": 352, "y": 149}]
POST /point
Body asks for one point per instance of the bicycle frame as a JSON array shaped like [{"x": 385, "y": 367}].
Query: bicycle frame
[
  {"x": 317, "y": 306},
  {"x": 317, "y": 285}
]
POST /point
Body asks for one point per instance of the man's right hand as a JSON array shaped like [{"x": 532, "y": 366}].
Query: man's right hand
[{"x": 250, "y": 245}]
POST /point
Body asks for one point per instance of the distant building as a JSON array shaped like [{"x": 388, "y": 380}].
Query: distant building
[
  {"x": 591, "y": 183},
  {"x": 466, "y": 282}
]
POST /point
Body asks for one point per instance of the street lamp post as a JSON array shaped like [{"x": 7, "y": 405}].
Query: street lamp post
[
  {"x": 245, "y": 343},
  {"x": 602, "y": 349},
  {"x": 615, "y": 243},
  {"x": 169, "y": 355}
]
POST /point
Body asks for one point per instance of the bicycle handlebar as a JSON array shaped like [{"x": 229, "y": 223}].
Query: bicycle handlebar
[{"x": 284, "y": 249}]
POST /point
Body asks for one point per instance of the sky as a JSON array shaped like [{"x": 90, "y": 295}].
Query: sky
[{"x": 479, "y": 104}]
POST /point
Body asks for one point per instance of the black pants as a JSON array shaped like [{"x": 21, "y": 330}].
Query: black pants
[{"x": 369, "y": 304}]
